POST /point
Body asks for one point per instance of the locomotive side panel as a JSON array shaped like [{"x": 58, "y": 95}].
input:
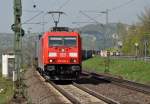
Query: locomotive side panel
[{"x": 41, "y": 54}]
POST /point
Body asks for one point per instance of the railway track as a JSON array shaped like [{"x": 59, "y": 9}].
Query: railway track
[
  {"x": 40, "y": 92},
  {"x": 81, "y": 95},
  {"x": 121, "y": 82},
  {"x": 77, "y": 94},
  {"x": 88, "y": 90},
  {"x": 120, "y": 90}
]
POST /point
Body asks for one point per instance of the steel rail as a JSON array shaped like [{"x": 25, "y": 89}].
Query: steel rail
[
  {"x": 121, "y": 82},
  {"x": 97, "y": 95},
  {"x": 65, "y": 93}
]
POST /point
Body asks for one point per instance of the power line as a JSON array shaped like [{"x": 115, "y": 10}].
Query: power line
[
  {"x": 82, "y": 22},
  {"x": 83, "y": 13},
  {"x": 30, "y": 11},
  {"x": 33, "y": 17},
  {"x": 111, "y": 9},
  {"x": 121, "y": 5},
  {"x": 33, "y": 1},
  {"x": 64, "y": 4},
  {"x": 107, "y": 10}
]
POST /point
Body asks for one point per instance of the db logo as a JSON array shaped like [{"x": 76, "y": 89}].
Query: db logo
[{"x": 62, "y": 54}]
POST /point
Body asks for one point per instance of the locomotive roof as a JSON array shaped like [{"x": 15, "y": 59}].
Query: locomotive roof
[
  {"x": 62, "y": 33},
  {"x": 60, "y": 29}
]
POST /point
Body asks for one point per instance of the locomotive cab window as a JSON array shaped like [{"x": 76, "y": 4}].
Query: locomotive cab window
[
  {"x": 70, "y": 41},
  {"x": 62, "y": 41},
  {"x": 55, "y": 41}
]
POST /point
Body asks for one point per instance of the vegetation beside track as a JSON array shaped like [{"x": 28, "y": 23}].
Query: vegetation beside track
[
  {"x": 6, "y": 90},
  {"x": 134, "y": 70}
]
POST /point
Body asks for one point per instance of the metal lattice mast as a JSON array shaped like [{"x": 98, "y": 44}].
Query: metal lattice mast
[{"x": 18, "y": 33}]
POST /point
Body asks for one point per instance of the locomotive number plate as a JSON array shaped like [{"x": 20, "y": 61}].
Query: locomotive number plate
[{"x": 62, "y": 61}]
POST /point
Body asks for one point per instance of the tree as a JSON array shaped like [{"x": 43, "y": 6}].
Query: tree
[{"x": 137, "y": 33}]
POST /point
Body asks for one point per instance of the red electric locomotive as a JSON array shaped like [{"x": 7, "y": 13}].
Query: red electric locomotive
[{"x": 59, "y": 54}]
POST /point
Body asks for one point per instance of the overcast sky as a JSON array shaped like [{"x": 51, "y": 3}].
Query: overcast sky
[{"x": 126, "y": 13}]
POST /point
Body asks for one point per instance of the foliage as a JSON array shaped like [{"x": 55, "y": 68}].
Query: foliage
[
  {"x": 138, "y": 33},
  {"x": 132, "y": 70}
]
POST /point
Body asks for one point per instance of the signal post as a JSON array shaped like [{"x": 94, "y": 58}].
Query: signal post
[{"x": 18, "y": 34}]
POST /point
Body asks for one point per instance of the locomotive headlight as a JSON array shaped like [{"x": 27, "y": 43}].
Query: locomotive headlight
[
  {"x": 73, "y": 54},
  {"x": 73, "y": 60},
  {"x": 52, "y": 54},
  {"x": 50, "y": 60}
]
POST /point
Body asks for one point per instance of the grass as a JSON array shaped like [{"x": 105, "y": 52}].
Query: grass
[
  {"x": 138, "y": 71},
  {"x": 5, "y": 95}
]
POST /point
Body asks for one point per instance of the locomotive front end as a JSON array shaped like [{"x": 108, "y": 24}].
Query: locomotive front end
[{"x": 63, "y": 60}]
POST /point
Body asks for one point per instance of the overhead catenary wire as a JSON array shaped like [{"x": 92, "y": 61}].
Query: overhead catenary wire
[
  {"x": 83, "y": 13},
  {"x": 121, "y": 5},
  {"x": 31, "y": 11},
  {"x": 64, "y": 4},
  {"x": 107, "y": 10},
  {"x": 35, "y": 16},
  {"x": 113, "y": 8},
  {"x": 82, "y": 22}
]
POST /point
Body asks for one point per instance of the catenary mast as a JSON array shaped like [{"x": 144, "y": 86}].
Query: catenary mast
[{"x": 18, "y": 34}]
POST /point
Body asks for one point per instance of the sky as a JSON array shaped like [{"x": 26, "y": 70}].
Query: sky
[{"x": 120, "y": 11}]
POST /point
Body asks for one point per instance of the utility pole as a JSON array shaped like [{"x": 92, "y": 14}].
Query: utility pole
[
  {"x": 106, "y": 12},
  {"x": 18, "y": 33},
  {"x": 107, "y": 60},
  {"x": 145, "y": 49},
  {"x": 108, "y": 53},
  {"x": 107, "y": 18},
  {"x": 146, "y": 39}
]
